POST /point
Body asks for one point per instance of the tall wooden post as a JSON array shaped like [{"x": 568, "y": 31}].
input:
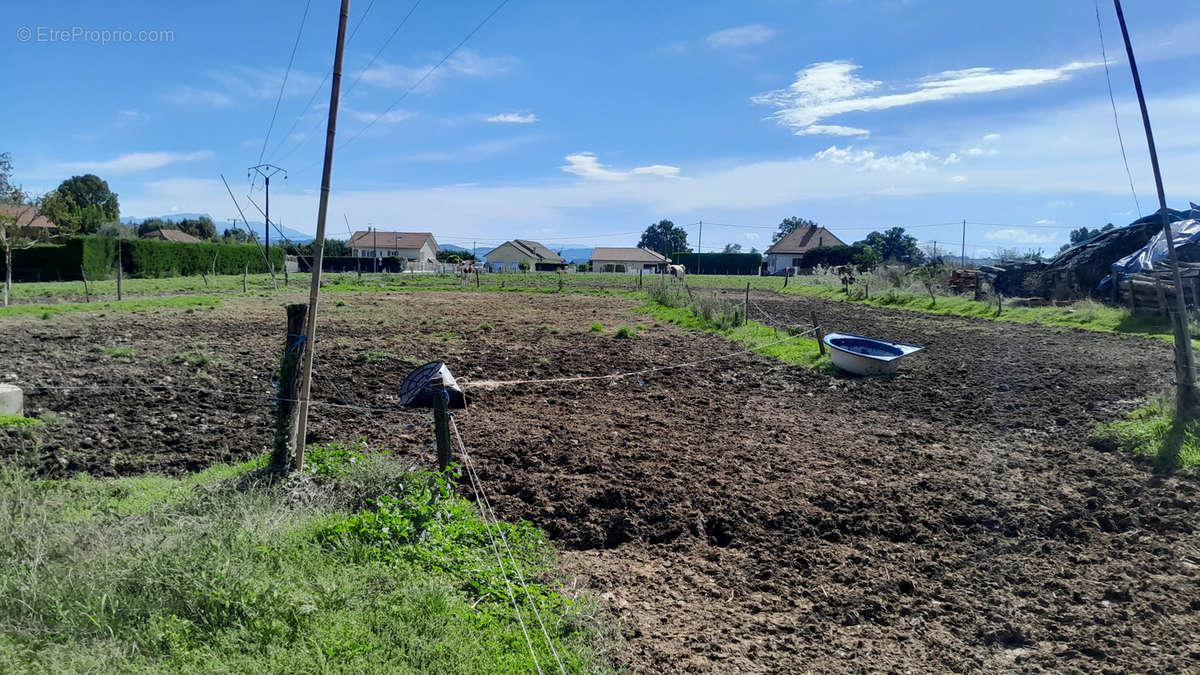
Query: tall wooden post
[
  {"x": 314, "y": 291},
  {"x": 87, "y": 296},
  {"x": 289, "y": 371},
  {"x": 746, "y": 311},
  {"x": 119, "y": 269},
  {"x": 441, "y": 422},
  {"x": 245, "y": 273}
]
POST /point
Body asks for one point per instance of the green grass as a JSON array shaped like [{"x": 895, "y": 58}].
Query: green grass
[
  {"x": 1152, "y": 432},
  {"x": 752, "y": 335},
  {"x": 362, "y": 567},
  {"x": 139, "y": 305},
  {"x": 373, "y": 357},
  {"x": 625, "y": 333},
  {"x": 8, "y": 421},
  {"x": 484, "y": 326},
  {"x": 120, "y": 353},
  {"x": 596, "y": 328}
]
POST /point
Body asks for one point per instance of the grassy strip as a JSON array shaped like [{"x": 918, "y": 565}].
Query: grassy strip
[
  {"x": 751, "y": 335},
  {"x": 166, "y": 286},
  {"x": 1086, "y": 314},
  {"x": 1152, "y": 432},
  {"x": 358, "y": 566},
  {"x": 8, "y": 421},
  {"x": 139, "y": 305}
]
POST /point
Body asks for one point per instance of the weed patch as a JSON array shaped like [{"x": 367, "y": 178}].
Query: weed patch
[{"x": 1152, "y": 432}]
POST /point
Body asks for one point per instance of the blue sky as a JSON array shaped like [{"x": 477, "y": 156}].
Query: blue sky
[{"x": 582, "y": 123}]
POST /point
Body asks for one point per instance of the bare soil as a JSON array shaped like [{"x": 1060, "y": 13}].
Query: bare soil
[{"x": 736, "y": 515}]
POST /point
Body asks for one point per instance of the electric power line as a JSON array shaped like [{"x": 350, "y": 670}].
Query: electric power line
[
  {"x": 283, "y": 86},
  {"x": 1113, "y": 102}
]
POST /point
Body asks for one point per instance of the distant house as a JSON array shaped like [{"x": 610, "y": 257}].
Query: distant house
[
  {"x": 411, "y": 246},
  {"x": 785, "y": 254},
  {"x": 509, "y": 256},
  {"x": 28, "y": 220},
  {"x": 171, "y": 235},
  {"x": 625, "y": 260}
]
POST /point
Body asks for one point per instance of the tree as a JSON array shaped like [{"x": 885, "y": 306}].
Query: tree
[
  {"x": 753, "y": 250},
  {"x": 21, "y": 212},
  {"x": 445, "y": 256},
  {"x": 789, "y": 225},
  {"x": 894, "y": 245},
  {"x": 6, "y": 186},
  {"x": 1083, "y": 234},
  {"x": 117, "y": 231},
  {"x": 666, "y": 238},
  {"x": 201, "y": 228},
  {"x": 867, "y": 259},
  {"x": 81, "y": 204},
  {"x": 238, "y": 236},
  {"x": 732, "y": 248}
]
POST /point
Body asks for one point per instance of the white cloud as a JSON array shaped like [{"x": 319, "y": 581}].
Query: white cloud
[
  {"x": 752, "y": 236},
  {"x": 465, "y": 63},
  {"x": 867, "y": 160},
  {"x": 512, "y": 118},
  {"x": 1043, "y": 221},
  {"x": 130, "y": 118},
  {"x": 193, "y": 96},
  {"x": 390, "y": 117},
  {"x": 831, "y": 130},
  {"x": 991, "y": 137},
  {"x": 952, "y": 158},
  {"x": 958, "y": 179},
  {"x": 829, "y": 89},
  {"x": 742, "y": 36},
  {"x": 137, "y": 161},
  {"x": 1060, "y": 203},
  {"x": 1019, "y": 236},
  {"x": 585, "y": 164}
]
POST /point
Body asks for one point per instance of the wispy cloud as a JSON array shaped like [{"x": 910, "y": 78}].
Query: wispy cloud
[
  {"x": 195, "y": 96},
  {"x": 390, "y": 117},
  {"x": 1019, "y": 236},
  {"x": 239, "y": 83},
  {"x": 586, "y": 165},
  {"x": 512, "y": 118},
  {"x": 137, "y": 161},
  {"x": 474, "y": 152},
  {"x": 833, "y": 88},
  {"x": 742, "y": 36},
  {"x": 465, "y": 63}
]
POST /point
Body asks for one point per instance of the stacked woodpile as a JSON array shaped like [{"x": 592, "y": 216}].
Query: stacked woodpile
[{"x": 1154, "y": 291}]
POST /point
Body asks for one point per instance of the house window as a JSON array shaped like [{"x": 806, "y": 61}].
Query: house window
[{"x": 796, "y": 262}]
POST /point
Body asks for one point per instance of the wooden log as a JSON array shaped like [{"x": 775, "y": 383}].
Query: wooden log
[
  {"x": 1132, "y": 300},
  {"x": 1162, "y": 298}
]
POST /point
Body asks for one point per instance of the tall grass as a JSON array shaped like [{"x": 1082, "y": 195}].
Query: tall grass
[{"x": 376, "y": 570}]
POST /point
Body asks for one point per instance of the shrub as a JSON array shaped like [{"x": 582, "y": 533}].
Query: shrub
[
  {"x": 596, "y": 328},
  {"x": 625, "y": 332}
]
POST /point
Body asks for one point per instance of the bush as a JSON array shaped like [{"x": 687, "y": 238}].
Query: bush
[
  {"x": 625, "y": 333},
  {"x": 146, "y": 258}
]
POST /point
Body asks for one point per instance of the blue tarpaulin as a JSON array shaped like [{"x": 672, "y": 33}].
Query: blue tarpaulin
[{"x": 1184, "y": 233}]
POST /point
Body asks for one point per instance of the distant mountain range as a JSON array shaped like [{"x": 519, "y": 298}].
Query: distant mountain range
[
  {"x": 573, "y": 255},
  {"x": 257, "y": 227}
]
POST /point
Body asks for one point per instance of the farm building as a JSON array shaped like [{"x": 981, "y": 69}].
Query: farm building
[
  {"x": 623, "y": 260},
  {"x": 28, "y": 220},
  {"x": 785, "y": 254},
  {"x": 410, "y": 246},
  {"x": 171, "y": 235},
  {"x": 507, "y": 257}
]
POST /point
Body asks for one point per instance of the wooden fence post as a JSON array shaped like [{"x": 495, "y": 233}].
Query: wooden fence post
[
  {"x": 639, "y": 280},
  {"x": 441, "y": 422},
  {"x": 746, "y": 313},
  {"x": 785, "y": 278},
  {"x": 119, "y": 271},
  {"x": 245, "y": 273},
  {"x": 1132, "y": 300},
  {"x": 1162, "y": 297},
  {"x": 817, "y": 328},
  {"x": 87, "y": 296},
  {"x": 289, "y": 379},
  {"x": 1195, "y": 292}
]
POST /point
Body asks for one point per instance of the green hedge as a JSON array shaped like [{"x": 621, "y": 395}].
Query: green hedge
[
  {"x": 148, "y": 258},
  {"x": 830, "y": 256},
  {"x": 719, "y": 263}
]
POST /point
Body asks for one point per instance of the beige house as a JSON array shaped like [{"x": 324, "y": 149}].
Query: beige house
[
  {"x": 411, "y": 246},
  {"x": 627, "y": 260},
  {"x": 507, "y": 257},
  {"x": 785, "y": 254}
]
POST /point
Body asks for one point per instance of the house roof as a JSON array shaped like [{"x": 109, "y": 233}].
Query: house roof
[
  {"x": 532, "y": 250},
  {"x": 27, "y": 216},
  {"x": 642, "y": 255},
  {"x": 172, "y": 235},
  {"x": 381, "y": 239},
  {"x": 804, "y": 239}
]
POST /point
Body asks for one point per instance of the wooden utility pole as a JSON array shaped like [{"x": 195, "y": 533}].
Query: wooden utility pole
[
  {"x": 1187, "y": 399},
  {"x": 301, "y": 427},
  {"x": 964, "y": 243}
]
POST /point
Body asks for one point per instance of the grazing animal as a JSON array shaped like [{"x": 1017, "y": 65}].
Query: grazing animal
[
  {"x": 677, "y": 271},
  {"x": 562, "y": 270}
]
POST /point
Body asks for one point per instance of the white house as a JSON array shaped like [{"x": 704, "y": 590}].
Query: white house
[
  {"x": 627, "y": 260},
  {"x": 786, "y": 253},
  {"x": 507, "y": 257},
  {"x": 410, "y": 246}
]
